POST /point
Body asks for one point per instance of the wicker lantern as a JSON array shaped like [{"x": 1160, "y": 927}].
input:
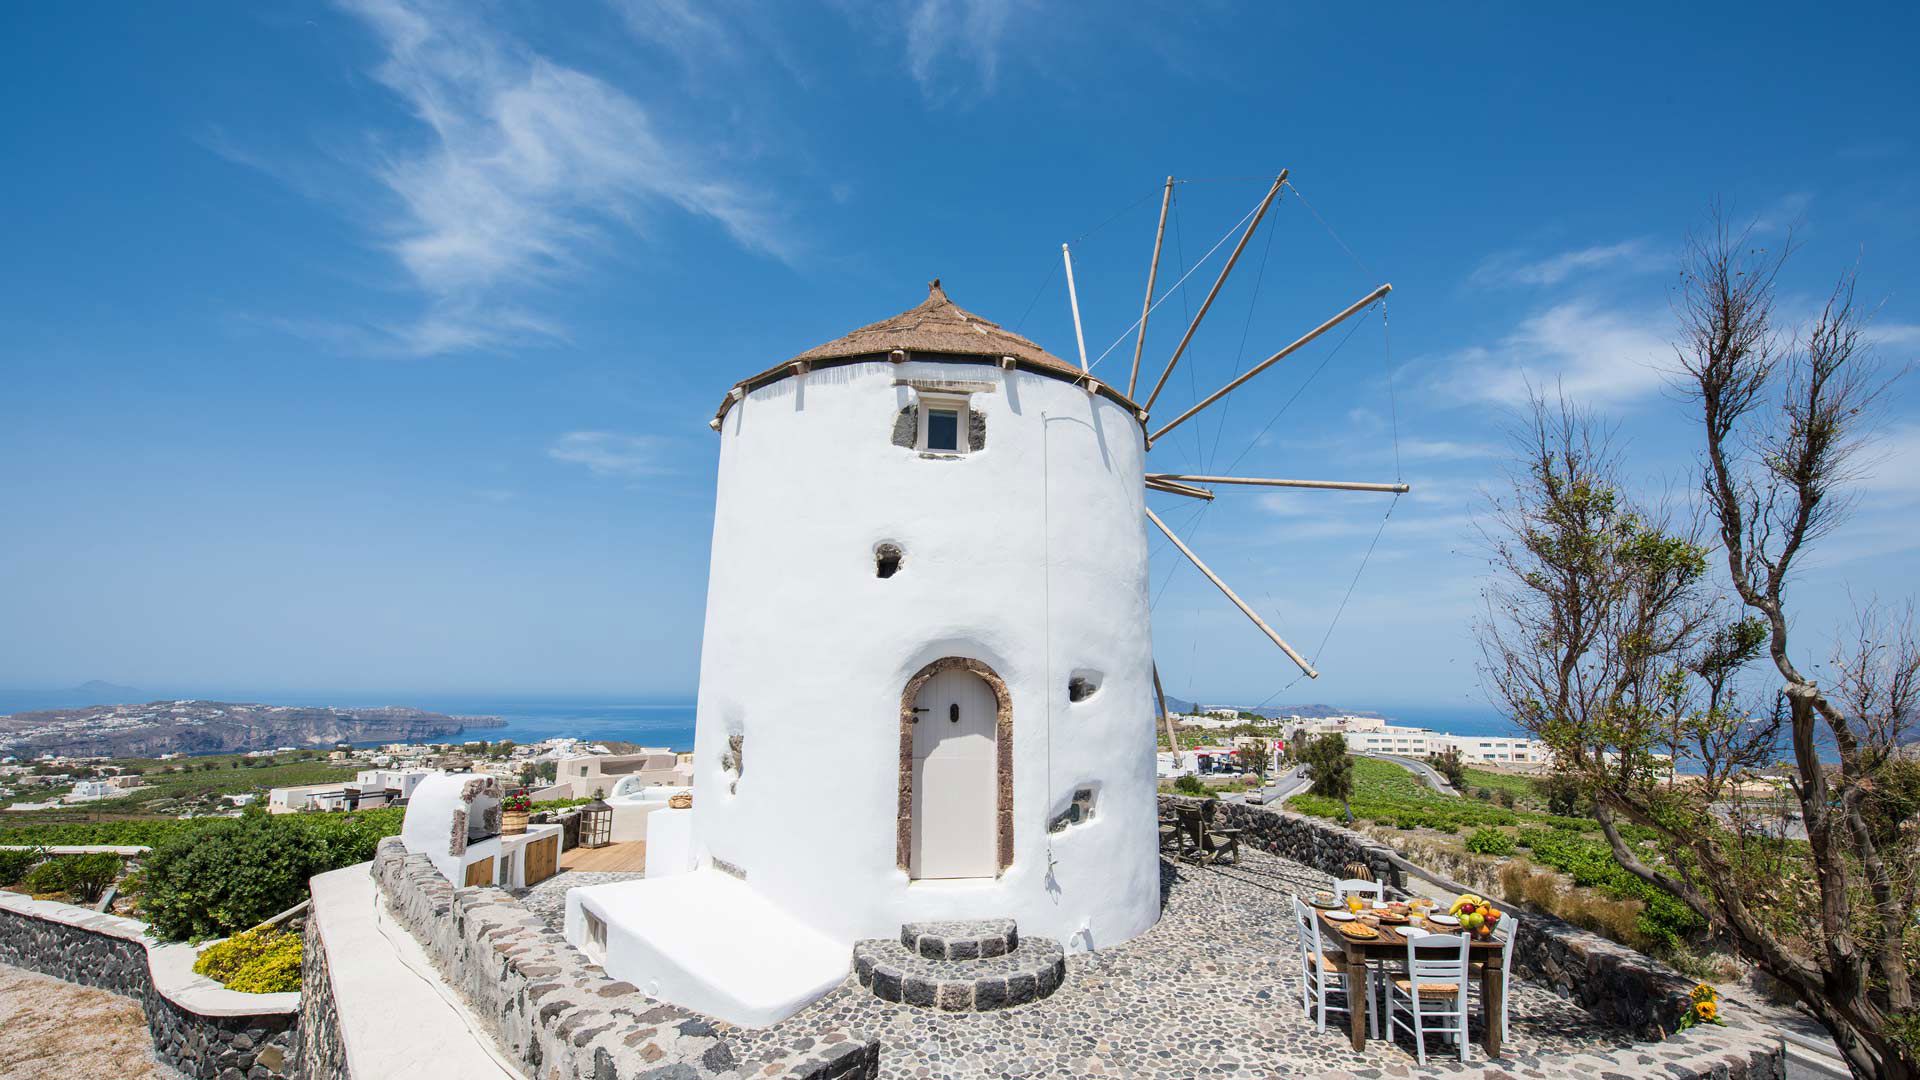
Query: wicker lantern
[{"x": 596, "y": 824}]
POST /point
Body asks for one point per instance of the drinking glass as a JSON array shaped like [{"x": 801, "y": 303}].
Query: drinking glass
[{"x": 1353, "y": 904}]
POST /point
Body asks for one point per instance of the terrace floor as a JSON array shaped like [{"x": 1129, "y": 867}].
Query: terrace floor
[{"x": 1212, "y": 990}]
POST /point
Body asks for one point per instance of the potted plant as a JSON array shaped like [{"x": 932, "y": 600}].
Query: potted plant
[{"x": 513, "y": 812}]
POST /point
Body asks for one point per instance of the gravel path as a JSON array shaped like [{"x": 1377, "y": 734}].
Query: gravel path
[{"x": 57, "y": 1029}]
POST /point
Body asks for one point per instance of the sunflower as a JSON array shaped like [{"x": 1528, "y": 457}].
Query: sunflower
[{"x": 1707, "y": 1010}]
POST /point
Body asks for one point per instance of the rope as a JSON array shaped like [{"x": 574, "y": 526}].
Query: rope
[
  {"x": 1296, "y": 393},
  {"x": 1393, "y": 404},
  {"x": 1341, "y": 610},
  {"x": 1357, "y": 260},
  {"x": 1240, "y": 356},
  {"x": 1165, "y": 296}
]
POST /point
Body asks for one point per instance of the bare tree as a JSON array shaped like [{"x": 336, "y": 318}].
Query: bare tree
[{"x": 1605, "y": 637}]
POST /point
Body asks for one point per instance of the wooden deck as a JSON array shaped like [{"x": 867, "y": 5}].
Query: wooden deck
[{"x": 630, "y": 857}]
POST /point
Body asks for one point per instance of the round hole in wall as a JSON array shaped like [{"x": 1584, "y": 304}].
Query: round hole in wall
[
  {"x": 1083, "y": 685},
  {"x": 886, "y": 560}
]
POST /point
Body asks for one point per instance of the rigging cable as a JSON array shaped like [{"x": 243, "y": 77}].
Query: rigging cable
[{"x": 1253, "y": 302}]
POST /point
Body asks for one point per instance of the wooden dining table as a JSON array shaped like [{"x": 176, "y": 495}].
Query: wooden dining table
[{"x": 1391, "y": 946}]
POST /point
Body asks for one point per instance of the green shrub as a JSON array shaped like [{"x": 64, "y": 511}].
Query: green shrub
[
  {"x": 254, "y": 962},
  {"x": 81, "y": 877},
  {"x": 89, "y": 875},
  {"x": 15, "y": 863},
  {"x": 1491, "y": 842},
  {"x": 1189, "y": 785},
  {"x": 48, "y": 876},
  {"x": 238, "y": 872}
]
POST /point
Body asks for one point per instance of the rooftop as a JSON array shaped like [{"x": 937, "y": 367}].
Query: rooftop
[{"x": 936, "y": 328}]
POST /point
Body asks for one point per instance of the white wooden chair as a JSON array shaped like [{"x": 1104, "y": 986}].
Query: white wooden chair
[
  {"x": 1434, "y": 992},
  {"x": 1373, "y": 890},
  {"x": 1509, "y": 934},
  {"x": 1318, "y": 967}
]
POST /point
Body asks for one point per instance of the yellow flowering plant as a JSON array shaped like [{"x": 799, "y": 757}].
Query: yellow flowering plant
[{"x": 1703, "y": 1007}]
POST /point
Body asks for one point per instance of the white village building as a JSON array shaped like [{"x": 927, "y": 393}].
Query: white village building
[{"x": 930, "y": 563}]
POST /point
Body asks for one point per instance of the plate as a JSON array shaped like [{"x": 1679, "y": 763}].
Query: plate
[
  {"x": 1324, "y": 900},
  {"x": 1360, "y": 931},
  {"x": 1410, "y": 933},
  {"x": 1443, "y": 920},
  {"x": 1340, "y": 916}
]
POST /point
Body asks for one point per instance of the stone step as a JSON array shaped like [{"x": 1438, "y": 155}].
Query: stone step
[
  {"x": 971, "y": 939},
  {"x": 1034, "y": 969}
]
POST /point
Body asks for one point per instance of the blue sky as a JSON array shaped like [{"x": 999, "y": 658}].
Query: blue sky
[{"x": 370, "y": 347}]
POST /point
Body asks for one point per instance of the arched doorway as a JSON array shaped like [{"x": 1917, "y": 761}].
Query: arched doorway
[{"x": 956, "y": 791}]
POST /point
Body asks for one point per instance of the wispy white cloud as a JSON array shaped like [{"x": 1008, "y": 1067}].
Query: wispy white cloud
[
  {"x": 607, "y": 453},
  {"x": 1520, "y": 268},
  {"x": 1595, "y": 354},
  {"x": 956, "y": 43},
  {"x": 1890, "y": 465},
  {"x": 1786, "y": 212},
  {"x": 525, "y": 163},
  {"x": 1446, "y": 450},
  {"x": 691, "y": 31}
]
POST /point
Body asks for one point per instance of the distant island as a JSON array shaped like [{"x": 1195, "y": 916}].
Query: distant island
[
  {"x": 1271, "y": 712},
  {"x": 213, "y": 727}
]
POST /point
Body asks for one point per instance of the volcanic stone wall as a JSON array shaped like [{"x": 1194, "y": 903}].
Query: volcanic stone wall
[
  {"x": 322, "y": 1053},
  {"x": 554, "y": 1011},
  {"x": 111, "y": 954},
  {"x": 1613, "y": 982}
]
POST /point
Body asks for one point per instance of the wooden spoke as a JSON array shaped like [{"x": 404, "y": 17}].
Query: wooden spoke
[
  {"x": 1278, "y": 181},
  {"x": 1356, "y": 307},
  {"x": 1146, "y": 306},
  {"x": 1256, "y": 481},
  {"x": 1175, "y": 488},
  {"x": 1233, "y": 596}
]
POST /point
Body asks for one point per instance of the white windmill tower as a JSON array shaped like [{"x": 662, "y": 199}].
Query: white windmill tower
[{"x": 927, "y": 681}]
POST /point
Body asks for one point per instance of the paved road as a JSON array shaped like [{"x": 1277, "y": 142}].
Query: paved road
[
  {"x": 1424, "y": 771},
  {"x": 1279, "y": 787}
]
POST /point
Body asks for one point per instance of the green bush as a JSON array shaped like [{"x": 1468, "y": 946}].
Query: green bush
[
  {"x": 1491, "y": 842},
  {"x": 1189, "y": 785},
  {"x": 254, "y": 962},
  {"x": 89, "y": 875},
  {"x": 237, "y": 872},
  {"x": 15, "y": 863},
  {"x": 48, "y": 876}
]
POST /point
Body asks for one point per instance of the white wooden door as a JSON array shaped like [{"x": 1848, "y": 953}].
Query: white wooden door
[{"x": 954, "y": 793}]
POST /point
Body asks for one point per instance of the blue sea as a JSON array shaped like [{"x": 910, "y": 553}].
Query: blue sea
[
  {"x": 531, "y": 721},
  {"x": 657, "y": 724}
]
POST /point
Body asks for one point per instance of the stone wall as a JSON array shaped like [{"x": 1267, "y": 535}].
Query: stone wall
[
  {"x": 1306, "y": 840},
  {"x": 208, "y": 1042},
  {"x": 554, "y": 1011},
  {"x": 322, "y": 1054},
  {"x": 1613, "y": 982}
]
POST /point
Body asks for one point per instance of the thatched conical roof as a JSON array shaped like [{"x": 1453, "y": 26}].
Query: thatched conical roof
[
  {"x": 938, "y": 326},
  {"x": 935, "y": 329}
]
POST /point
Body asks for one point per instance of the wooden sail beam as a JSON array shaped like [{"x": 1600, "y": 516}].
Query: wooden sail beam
[
  {"x": 1257, "y": 481},
  {"x": 1173, "y": 739},
  {"x": 1173, "y": 488},
  {"x": 1235, "y": 597},
  {"x": 1273, "y": 191},
  {"x": 1073, "y": 301},
  {"x": 1356, "y": 307},
  {"x": 1146, "y": 306}
]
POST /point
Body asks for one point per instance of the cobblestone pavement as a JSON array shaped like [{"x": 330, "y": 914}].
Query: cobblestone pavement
[
  {"x": 55, "y": 1028},
  {"x": 1211, "y": 990},
  {"x": 549, "y": 898}
]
